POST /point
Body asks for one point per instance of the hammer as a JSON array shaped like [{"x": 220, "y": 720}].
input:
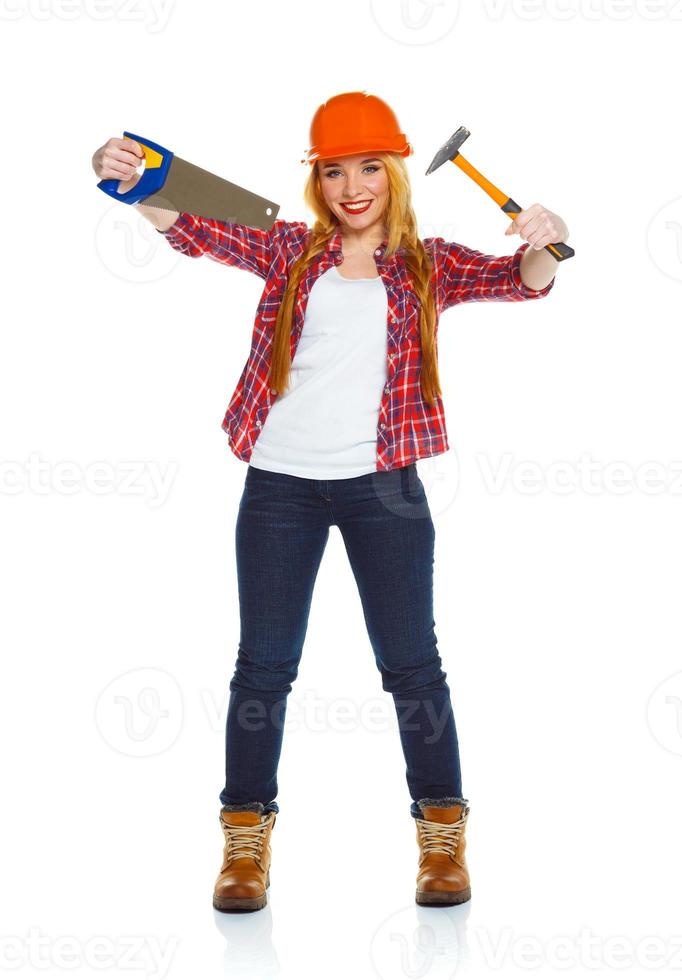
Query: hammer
[{"x": 450, "y": 151}]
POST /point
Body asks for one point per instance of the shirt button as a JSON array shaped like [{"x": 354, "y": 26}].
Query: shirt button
[
  {"x": 387, "y": 389},
  {"x": 258, "y": 423},
  {"x": 377, "y": 251},
  {"x": 383, "y": 425},
  {"x": 392, "y": 319}
]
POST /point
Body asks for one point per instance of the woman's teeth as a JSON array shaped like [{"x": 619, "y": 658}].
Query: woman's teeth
[{"x": 358, "y": 206}]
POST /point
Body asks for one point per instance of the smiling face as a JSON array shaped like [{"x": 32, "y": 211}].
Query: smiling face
[{"x": 355, "y": 189}]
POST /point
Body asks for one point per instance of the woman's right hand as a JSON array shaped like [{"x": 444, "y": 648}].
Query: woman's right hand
[{"x": 118, "y": 159}]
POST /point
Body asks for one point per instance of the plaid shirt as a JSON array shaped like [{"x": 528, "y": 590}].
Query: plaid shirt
[{"x": 408, "y": 428}]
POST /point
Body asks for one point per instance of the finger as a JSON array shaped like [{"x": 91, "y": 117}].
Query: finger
[
  {"x": 527, "y": 215},
  {"x": 117, "y": 173},
  {"x": 124, "y": 156},
  {"x": 115, "y": 160},
  {"x": 537, "y": 224},
  {"x": 132, "y": 146},
  {"x": 520, "y": 222},
  {"x": 125, "y": 185}
]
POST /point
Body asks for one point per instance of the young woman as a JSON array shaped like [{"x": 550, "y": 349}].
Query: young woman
[{"x": 338, "y": 399}]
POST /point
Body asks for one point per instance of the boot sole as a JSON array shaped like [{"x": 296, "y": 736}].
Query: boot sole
[
  {"x": 223, "y": 903},
  {"x": 443, "y": 898}
]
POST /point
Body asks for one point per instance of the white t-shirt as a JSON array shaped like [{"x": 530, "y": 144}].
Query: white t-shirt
[{"x": 325, "y": 425}]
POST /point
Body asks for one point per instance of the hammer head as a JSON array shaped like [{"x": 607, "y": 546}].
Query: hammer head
[{"x": 449, "y": 150}]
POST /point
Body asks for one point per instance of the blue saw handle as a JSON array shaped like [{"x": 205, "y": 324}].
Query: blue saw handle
[{"x": 157, "y": 161}]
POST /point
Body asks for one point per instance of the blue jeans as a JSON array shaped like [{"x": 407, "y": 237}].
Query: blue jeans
[{"x": 281, "y": 532}]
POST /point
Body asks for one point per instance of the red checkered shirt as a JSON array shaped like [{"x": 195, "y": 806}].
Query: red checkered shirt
[{"x": 408, "y": 428}]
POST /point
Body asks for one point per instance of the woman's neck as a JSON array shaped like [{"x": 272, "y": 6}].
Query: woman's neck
[{"x": 364, "y": 241}]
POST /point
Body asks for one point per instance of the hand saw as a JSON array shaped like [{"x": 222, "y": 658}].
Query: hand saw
[{"x": 171, "y": 183}]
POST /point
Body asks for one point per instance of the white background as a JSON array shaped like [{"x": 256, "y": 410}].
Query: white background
[{"x": 557, "y": 509}]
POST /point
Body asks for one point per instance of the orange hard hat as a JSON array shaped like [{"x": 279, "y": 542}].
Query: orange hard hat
[{"x": 352, "y": 123}]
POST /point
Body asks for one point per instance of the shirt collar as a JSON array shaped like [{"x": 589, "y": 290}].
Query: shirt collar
[{"x": 335, "y": 245}]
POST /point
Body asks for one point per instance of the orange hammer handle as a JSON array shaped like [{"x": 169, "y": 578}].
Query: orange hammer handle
[
  {"x": 497, "y": 195},
  {"x": 559, "y": 250}
]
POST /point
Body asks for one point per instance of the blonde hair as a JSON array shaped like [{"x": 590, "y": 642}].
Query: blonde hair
[{"x": 401, "y": 232}]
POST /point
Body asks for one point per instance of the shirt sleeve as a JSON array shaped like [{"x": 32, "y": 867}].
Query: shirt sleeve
[
  {"x": 465, "y": 275},
  {"x": 224, "y": 241}
]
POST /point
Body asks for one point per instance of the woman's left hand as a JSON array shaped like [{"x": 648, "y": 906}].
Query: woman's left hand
[{"x": 539, "y": 226}]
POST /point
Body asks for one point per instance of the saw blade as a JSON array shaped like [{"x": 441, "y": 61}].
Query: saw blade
[{"x": 189, "y": 188}]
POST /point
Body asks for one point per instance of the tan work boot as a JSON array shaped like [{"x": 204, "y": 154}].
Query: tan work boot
[
  {"x": 245, "y": 873},
  {"x": 443, "y": 877}
]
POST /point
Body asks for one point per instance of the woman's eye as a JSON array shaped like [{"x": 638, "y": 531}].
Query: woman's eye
[{"x": 370, "y": 166}]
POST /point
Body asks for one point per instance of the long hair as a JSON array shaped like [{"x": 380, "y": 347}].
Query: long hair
[{"x": 401, "y": 232}]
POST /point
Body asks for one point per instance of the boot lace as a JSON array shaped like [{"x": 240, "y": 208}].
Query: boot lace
[
  {"x": 244, "y": 841},
  {"x": 441, "y": 836}
]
